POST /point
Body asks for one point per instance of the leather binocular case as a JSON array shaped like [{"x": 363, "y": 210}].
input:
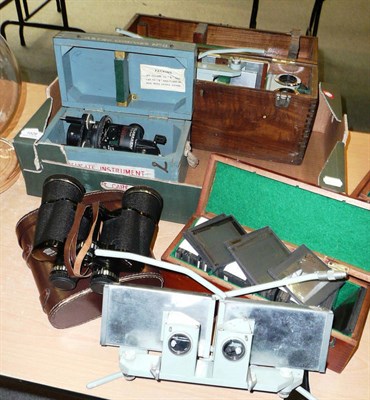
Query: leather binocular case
[{"x": 67, "y": 308}]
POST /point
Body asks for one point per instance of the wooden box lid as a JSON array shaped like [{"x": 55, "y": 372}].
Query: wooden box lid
[{"x": 334, "y": 226}]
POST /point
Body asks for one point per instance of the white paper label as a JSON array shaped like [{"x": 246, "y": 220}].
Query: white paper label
[
  {"x": 115, "y": 169},
  {"x": 30, "y": 133},
  {"x": 234, "y": 269},
  {"x": 162, "y": 78},
  {"x": 114, "y": 186}
]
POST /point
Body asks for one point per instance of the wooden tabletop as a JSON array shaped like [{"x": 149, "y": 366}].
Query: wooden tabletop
[{"x": 31, "y": 349}]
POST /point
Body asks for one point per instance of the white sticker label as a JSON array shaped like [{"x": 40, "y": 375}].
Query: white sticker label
[
  {"x": 30, "y": 133},
  {"x": 115, "y": 186},
  {"x": 162, "y": 78},
  {"x": 115, "y": 169}
]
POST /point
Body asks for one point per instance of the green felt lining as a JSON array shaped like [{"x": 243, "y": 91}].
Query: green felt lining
[
  {"x": 347, "y": 294},
  {"x": 346, "y": 303},
  {"x": 325, "y": 225}
]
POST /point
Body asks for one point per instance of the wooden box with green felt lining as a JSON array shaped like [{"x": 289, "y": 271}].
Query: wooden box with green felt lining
[{"x": 334, "y": 226}]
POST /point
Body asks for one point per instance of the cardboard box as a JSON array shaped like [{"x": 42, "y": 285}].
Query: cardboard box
[
  {"x": 241, "y": 107},
  {"x": 334, "y": 226}
]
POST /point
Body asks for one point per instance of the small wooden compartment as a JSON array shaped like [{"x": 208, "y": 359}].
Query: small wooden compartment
[
  {"x": 333, "y": 226},
  {"x": 253, "y": 114}
]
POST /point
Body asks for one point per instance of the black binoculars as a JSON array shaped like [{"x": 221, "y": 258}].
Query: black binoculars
[{"x": 130, "y": 228}]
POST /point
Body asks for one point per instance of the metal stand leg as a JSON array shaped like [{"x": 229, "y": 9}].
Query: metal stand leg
[
  {"x": 23, "y": 20},
  {"x": 253, "y": 20},
  {"x": 315, "y": 18}
]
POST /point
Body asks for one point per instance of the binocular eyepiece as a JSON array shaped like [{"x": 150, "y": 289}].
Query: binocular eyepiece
[
  {"x": 104, "y": 134},
  {"x": 130, "y": 228}
]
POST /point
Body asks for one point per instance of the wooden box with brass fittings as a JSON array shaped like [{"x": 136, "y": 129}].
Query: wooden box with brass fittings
[{"x": 256, "y": 91}]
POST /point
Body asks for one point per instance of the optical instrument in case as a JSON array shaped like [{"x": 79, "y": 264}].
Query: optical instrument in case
[
  {"x": 238, "y": 106},
  {"x": 124, "y": 94},
  {"x": 213, "y": 339},
  {"x": 104, "y": 134}
]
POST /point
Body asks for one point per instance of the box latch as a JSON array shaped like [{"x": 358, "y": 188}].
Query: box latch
[
  {"x": 282, "y": 99},
  {"x": 200, "y": 33}
]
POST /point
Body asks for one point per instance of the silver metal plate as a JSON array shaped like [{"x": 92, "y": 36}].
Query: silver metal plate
[
  {"x": 285, "y": 335},
  {"x": 133, "y": 316}
]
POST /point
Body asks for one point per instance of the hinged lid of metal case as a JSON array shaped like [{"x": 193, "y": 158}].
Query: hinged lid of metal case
[{"x": 129, "y": 75}]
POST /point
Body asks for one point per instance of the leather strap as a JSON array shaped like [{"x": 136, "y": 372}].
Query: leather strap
[
  {"x": 86, "y": 246},
  {"x": 25, "y": 232},
  {"x": 73, "y": 262},
  {"x": 294, "y": 44}
]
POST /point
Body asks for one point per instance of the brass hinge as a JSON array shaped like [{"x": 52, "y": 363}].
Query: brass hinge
[
  {"x": 335, "y": 266},
  {"x": 126, "y": 103},
  {"x": 283, "y": 61},
  {"x": 121, "y": 55}
]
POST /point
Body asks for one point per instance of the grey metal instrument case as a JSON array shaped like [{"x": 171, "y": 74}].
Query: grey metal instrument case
[{"x": 134, "y": 81}]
